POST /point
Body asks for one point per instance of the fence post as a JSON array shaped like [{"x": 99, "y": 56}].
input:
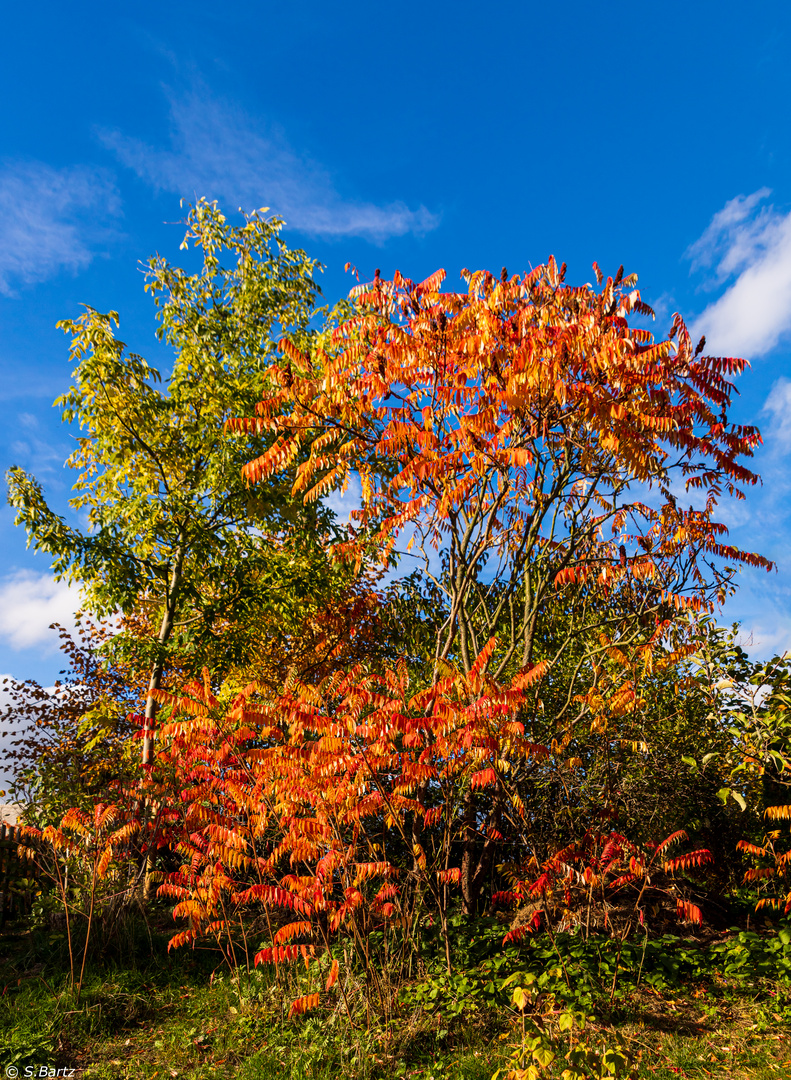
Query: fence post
[
  {"x": 5, "y": 873},
  {"x": 13, "y": 901}
]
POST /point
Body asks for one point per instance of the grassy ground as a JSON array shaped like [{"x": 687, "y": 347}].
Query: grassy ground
[{"x": 723, "y": 1010}]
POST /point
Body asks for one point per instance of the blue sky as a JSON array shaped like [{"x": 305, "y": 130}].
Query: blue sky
[{"x": 412, "y": 137}]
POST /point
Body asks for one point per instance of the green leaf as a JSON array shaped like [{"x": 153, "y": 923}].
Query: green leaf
[
  {"x": 565, "y": 1021},
  {"x": 544, "y": 1056}
]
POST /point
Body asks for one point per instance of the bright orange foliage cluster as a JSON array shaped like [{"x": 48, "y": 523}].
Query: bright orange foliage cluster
[
  {"x": 601, "y": 867},
  {"x": 532, "y": 402},
  {"x": 314, "y": 778},
  {"x": 774, "y": 864}
]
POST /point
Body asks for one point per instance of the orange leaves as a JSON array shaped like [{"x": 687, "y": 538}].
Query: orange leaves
[
  {"x": 366, "y": 871},
  {"x": 571, "y": 575},
  {"x": 674, "y": 838},
  {"x": 692, "y": 861},
  {"x": 103, "y": 864},
  {"x": 186, "y": 937},
  {"x": 293, "y": 354},
  {"x": 518, "y": 933},
  {"x": 526, "y": 679},
  {"x": 475, "y": 677},
  {"x": 304, "y": 1004},
  {"x": 83, "y": 824},
  {"x": 510, "y": 426},
  {"x": 283, "y": 954},
  {"x": 295, "y": 929},
  {"x": 332, "y": 978},
  {"x": 760, "y": 873},
  {"x": 386, "y": 893},
  {"x": 452, "y": 391},
  {"x": 520, "y": 457},
  {"x": 689, "y": 912},
  {"x": 603, "y": 864},
  {"x": 354, "y": 898},
  {"x": 277, "y": 458},
  {"x": 88, "y": 836},
  {"x": 776, "y": 862},
  {"x": 270, "y": 896},
  {"x": 751, "y": 849},
  {"x": 484, "y": 778},
  {"x": 637, "y": 867}
]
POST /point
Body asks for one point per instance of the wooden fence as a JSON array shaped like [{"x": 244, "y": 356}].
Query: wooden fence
[{"x": 17, "y": 876}]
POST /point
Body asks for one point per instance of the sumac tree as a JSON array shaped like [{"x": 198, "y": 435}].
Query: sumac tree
[{"x": 557, "y": 474}]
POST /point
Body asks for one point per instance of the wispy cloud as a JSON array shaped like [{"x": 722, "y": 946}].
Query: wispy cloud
[
  {"x": 751, "y": 243},
  {"x": 763, "y": 518},
  {"x": 219, "y": 152},
  {"x": 764, "y": 640},
  {"x": 37, "y": 454},
  {"x": 50, "y": 219},
  {"x": 763, "y": 601},
  {"x": 343, "y": 503},
  {"x": 29, "y": 603},
  {"x": 34, "y": 385},
  {"x": 778, "y": 407}
]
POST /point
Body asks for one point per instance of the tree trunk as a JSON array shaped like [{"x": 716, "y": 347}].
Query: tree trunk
[
  {"x": 165, "y": 631},
  {"x": 475, "y": 872},
  {"x": 469, "y": 903}
]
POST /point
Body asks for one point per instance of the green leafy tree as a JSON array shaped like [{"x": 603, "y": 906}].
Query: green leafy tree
[{"x": 174, "y": 532}]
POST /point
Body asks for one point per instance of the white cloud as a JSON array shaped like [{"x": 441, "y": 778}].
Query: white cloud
[
  {"x": 343, "y": 504},
  {"x": 751, "y": 243},
  {"x": 733, "y": 236},
  {"x": 29, "y": 603},
  {"x": 764, "y": 641},
  {"x": 761, "y": 606},
  {"x": 14, "y": 725},
  {"x": 36, "y": 454},
  {"x": 762, "y": 603},
  {"x": 219, "y": 152},
  {"x": 6, "y": 775},
  {"x": 49, "y": 219},
  {"x": 778, "y": 406}
]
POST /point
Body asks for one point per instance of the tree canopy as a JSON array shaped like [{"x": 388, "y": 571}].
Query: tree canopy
[{"x": 174, "y": 531}]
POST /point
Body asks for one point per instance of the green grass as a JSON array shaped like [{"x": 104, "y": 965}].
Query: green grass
[{"x": 719, "y": 1011}]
